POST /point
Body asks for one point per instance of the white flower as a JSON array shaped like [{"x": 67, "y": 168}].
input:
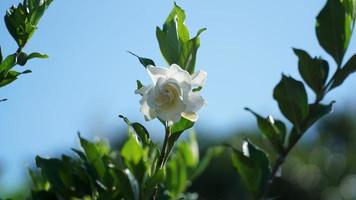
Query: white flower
[{"x": 171, "y": 94}]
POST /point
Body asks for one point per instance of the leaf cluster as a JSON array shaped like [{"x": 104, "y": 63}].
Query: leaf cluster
[{"x": 334, "y": 26}]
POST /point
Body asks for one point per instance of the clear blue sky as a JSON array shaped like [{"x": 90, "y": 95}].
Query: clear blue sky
[{"x": 89, "y": 78}]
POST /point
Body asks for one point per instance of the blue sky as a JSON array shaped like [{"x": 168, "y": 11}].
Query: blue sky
[{"x": 89, "y": 78}]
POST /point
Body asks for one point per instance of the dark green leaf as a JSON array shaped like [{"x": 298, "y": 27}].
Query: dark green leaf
[
  {"x": 273, "y": 130},
  {"x": 22, "y": 58},
  {"x": 292, "y": 100},
  {"x": 314, "y": 71},
  {"x": 316, "y": 111},
  {"x": 21, "y": 21},
  {"x": 334, "y": 27},
  {"x": 139, "y": 84},
  {"x": 342, "y": 74},
  {"x": 144, "y": 61},
  {"x": 127, "y": 185},
  {"x": 152, "y": 182},
  {"x": 253, "y": 167},
  {"x": 176, "y": 176},
  {"x": 1, "y": 56}
]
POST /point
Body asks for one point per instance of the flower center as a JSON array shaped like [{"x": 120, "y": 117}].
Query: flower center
[{"x": 168, "y": 96}]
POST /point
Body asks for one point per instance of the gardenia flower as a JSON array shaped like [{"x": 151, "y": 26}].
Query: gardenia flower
[{"x": 171, "y": 94}]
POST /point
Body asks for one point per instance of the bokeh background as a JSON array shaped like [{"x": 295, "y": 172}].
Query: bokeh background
[{"x": 89, "y": 80}]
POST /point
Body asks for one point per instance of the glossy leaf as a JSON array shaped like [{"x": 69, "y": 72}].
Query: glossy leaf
[
  {"x": 314, "y": 71},
  {"x": 1, "y": 55},
  {"x": 253, "y": 167},
  {"x": 342, "y": 74},
  {"x": 10, "y": 76},
  {"x": 8, "y": 63},
  {"x": 175, "y": 43},
  {"x": 140, "y": 131},
  {"x": 316, "y": 112},
  {"x": 134, "y": 155},
  {"x": 21, "y": 21},
  {"x": 94, "y": 155},
  {"x": 273, "y": 130},
  {"x": 37, "y": 55},
  {"x": 144, "y": 61},
  {"x": 292, "y": 100},
  {"x": 334, "y": 27}
]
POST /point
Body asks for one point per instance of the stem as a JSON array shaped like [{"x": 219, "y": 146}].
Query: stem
[
  {"x": 164, "y": 152},
  {"x": 163, "y": 156},
  {"x": 282, "y": 156}
]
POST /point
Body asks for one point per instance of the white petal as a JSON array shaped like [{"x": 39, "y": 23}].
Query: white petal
[
  {"x": 180, "y": 76},
  {"x": 172, "y": 113},
  {"x": 194, "y": 102},
  {"x": 147, "y": 111},
  {"x": 156, "y": 72},
  {"x": 199, "y": 78}
]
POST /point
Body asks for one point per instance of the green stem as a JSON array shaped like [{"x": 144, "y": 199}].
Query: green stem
[{"x": 163, "y": 156}]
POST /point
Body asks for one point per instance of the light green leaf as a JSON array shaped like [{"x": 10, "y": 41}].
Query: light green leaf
[{"x": 21, "y": 20}]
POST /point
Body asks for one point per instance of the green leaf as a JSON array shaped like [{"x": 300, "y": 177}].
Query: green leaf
[
  {"x": 21, "y": 58},
  {"x": 316, "y": 112},
  {"x": 175, "y": 43},
  {"x": 292, "y": 100},
  {"x": 139, "y": 84},
  {"x": 334, "y": 27},
  {"x": 205, "y": 161},
  {"x": 177, "y": 129},
  {"x": 189, "y": 50},
  {"x": 10, "y": 77},
  {"x": 273, "y": 130},
  {"x": 21, "y": 21},
  {"x": 37, "y": 55},
  {"x": 181, "y": 126},
  {"x": 342, "y": 74},
  {"x": 8, "y": 63},
  {"x": 152, "y": 182},
  {"x": 140, "y": 131},
  {"x": 176, "y": 176},
  {"x": 1, "y": 56},
  {"x": 94, "y": 156},
  {"x": 134, "y": 156},
  {"x": 253, "y": 167},
  {"x": 314, "y": 71},
  {"x": 144, "y": 61},
  {"x": 128, "y": 185}
]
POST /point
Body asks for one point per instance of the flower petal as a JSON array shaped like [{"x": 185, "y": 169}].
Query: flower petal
[
  {"x": 172, "y": 113},
  {"x": 199, "y": 78},
  {"x": 156, "y": 72},
  {"x": 148, "y": 111},
  {"x": 194, "y": 102},
  {"x": 180, "y": 76}
]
